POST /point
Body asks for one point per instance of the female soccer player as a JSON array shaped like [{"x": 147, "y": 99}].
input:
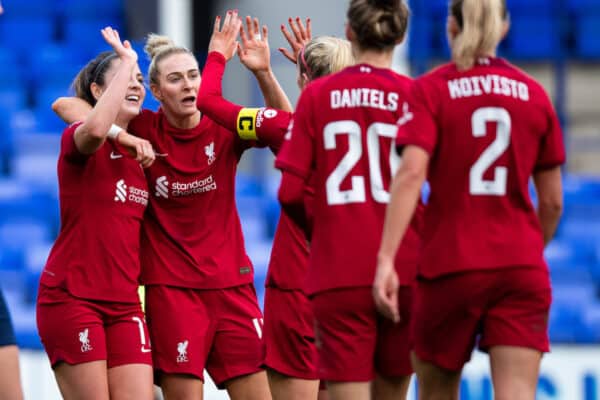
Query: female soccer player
[
  {"x": 343, "y": 136},
  {"x": 88, "y": 312},
  {"x": 479, "y": 128},
  {"x": 289, "y": 337},
  {"x": 201, "y": 304}
]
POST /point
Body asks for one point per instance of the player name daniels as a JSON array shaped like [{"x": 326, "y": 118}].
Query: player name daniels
[{"x": 364, "y": 97}]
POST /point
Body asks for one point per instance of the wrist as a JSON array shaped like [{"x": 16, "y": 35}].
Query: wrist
[{"x": 114, "y": 131}]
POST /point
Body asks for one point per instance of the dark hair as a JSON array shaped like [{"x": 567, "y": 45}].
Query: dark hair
[
  {"x": 378, "y": 24},
  {"x": 481, "y": 25},
  {"x": 93, "y": 72}
]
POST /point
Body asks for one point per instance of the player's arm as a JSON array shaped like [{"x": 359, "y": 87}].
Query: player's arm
[
  {"x": 548, "y": 185},
  {"x": 90, "y": 135},
  {"x": 291, "y": 195},
  {"x": 405, "y": 191},
  {"x": 71, "y": 109},
  {"x": 255, "y": 54}
]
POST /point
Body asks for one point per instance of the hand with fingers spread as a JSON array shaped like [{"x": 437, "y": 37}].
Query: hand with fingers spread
[
  {"x": 385, "y": 290},
  {"x": 140, "y": 149},
  {"x": 123, "y": 49},
  {"x": 224, "y": 39},
  {"x": 254, "y": 50},
  {"x": 301, "y": 35}
]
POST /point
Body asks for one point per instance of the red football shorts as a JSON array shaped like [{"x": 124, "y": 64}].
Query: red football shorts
[
  {"x": 77, "y": 330},
  {"x": 289, "y": 334},
  {"x": 220, "y": 330},
  {"x": 507, "y": 307},
  {"x": 355, "y": 342}
]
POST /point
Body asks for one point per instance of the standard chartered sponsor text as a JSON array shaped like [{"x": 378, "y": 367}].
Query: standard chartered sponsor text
[
  {"x": 139, "y": 196},
  {"x": 195, "y": 187}
]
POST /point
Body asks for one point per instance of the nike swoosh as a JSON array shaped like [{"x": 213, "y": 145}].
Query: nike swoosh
[{"x": 114, "y": 156}]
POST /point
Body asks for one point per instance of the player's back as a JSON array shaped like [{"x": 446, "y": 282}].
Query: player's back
[
  {"x": 493, "y": 126},
  {"x": 354, "y": 115}
]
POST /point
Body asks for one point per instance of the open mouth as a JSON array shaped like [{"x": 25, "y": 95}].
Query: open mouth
[
  {"x": 189, "y": 100},
  {"x": 132, "y": 98}
]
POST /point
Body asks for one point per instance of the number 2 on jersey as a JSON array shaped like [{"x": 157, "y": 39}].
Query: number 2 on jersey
[
  {"x": 477, "y": 185},
  {"x": 357, "y": 192}
]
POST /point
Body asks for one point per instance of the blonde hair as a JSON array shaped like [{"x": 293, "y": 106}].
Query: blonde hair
[
  {"x": 325, "y": 55},
  {"x": 482, "y": 26},
  {"x": 378, "y": 24},
  {"x": 158, "y": 47}
]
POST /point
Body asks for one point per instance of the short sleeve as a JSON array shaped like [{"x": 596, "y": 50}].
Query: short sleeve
[
  {"x": 297, "y": 152},
  {"x": 416, "y": 125},
  {"x": 68, "y": 149},
  {"x": 552, "y": 149}
]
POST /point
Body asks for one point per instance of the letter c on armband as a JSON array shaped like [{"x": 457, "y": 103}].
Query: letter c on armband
[{"x": 246, "y": 123}]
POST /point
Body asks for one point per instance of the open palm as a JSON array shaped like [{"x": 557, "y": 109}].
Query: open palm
[{"x": 254, "y": 50}]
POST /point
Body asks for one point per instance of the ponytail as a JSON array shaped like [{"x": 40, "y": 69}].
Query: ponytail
[{"x": 481, "y": 23}]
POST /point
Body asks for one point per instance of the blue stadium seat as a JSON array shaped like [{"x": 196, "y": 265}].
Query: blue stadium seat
[
  {"x": 534, "y": 37},
  {"x": 86, "y": 9},
  {"x": 47, "y": 120},
  {"x": 22, "y": 34},
  {"x": 30, "y": 8},
  {"x": 13, "y": 97},
  {"x": 11, "y": 71},
  {"x": 86, "y": 33},
  {"x": 57, "y": 63},
  {"x": 587, "y": 36}
]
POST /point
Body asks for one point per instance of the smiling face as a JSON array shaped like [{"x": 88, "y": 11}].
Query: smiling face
[
  {"x": 135, "y": 91},
  {"x": 178, "y": 85}
]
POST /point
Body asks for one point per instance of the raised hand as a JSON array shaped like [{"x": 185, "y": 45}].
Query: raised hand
[
  {"x": 301, "y": 35},
  {"x": 254, "y": 50},
  {"x": 123, "y": 49},
  {"x": 224, "y": 39}
]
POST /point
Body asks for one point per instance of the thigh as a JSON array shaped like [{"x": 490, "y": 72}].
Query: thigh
[
  {"x": 515, "y": 372},
  {"x": 180, "y": 329},
  {"x": 518, "y": 315},
  {"x": 7, "y": 334},
  {"x": 392, "y": 352},
  {"x": 447, "y": 313},
  {"x": 346, "y": 329},
  {"x": 289, "y": 334},
  {"x": 71, "y": 329},
  {"x": 237, "y": 348},
  {"x": 127, "y": 338},
  {"x": 86, "y": 381},
  {"x": 10, "y": 381},
  {"x": 131, "y": 382}
]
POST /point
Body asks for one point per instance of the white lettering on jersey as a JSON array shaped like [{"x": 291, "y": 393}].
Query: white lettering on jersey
[
  {"x": 364, "y": 97},
  {"x": 488, "y": 84}
]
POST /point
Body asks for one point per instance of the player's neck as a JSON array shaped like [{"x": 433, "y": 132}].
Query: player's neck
[
  {"x": 183, "y": 121},
  {"x": 378, "y": 59}
]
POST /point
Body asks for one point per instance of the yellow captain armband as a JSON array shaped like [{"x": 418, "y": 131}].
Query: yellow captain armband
[{"x": 246, "y": 123}]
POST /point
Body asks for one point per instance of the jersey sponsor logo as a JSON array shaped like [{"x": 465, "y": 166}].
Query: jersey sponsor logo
[
  {"x": 166, "y": 189},
  {"x": 210, "y": 153},
  {"x": 246, "y": 127},
  {"x": 162, "y": 187},
  {"x": 121, "y": 192},
  {"x": 131, "y": 193},
  {"x": 407, "y": 115},
  {"x": 114, "y": 156},
  {"x": 85, "y": 341},
  {"x": 182, "y": 350}
]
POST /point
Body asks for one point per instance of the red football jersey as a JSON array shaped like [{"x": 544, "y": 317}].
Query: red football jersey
[
  {"x": 487, "y": 130},
  {"x": 191, "y": 235},
  {"x": 289, "y": 253},
  {"x": 102, "y": 201},
  {"x": 344, "y": 132}
]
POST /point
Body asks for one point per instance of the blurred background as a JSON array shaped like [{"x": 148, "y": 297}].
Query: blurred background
[{"x": 43, "y": 43}]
